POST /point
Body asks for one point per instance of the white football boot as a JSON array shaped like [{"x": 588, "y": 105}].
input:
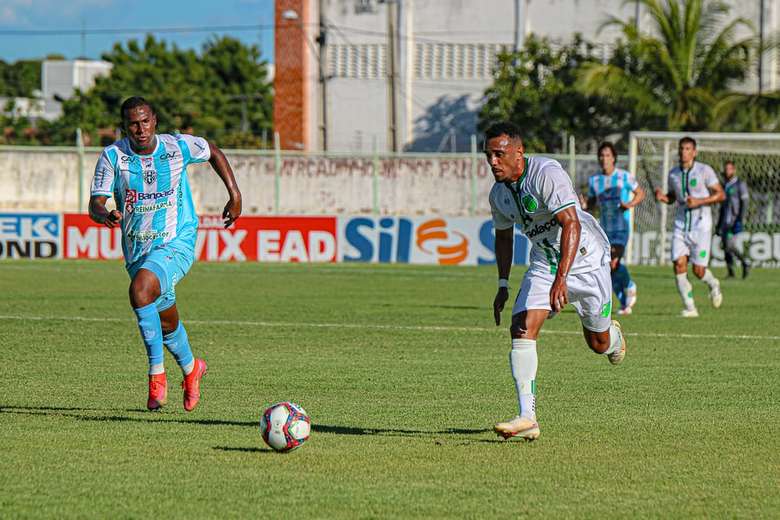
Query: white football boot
[
  {"x": 521, "y": 427},
  {"x": 716, "y": 297},
  {"x": 617, "y": 356},
  {"x": 689, "y": 313}
]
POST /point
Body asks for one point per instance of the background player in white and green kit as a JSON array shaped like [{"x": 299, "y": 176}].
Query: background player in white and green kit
[
  {"x": 693, "y": 189},
  {"x": 569, "y": 263},
  {"x": 146, "y": 173},
  {"x": 615, "y": 191}
]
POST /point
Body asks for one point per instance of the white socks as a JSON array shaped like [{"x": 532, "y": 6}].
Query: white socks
[
  {"x": 157, "y": 368},
  {"x": 710, "y": 280},
  {"x": 686, "y": 290},
  {"x": 615, "y": 340},
  {"x": 523, "y": 362}
]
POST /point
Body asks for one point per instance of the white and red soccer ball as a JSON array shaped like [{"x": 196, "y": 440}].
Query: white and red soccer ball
[{"x": 285, "y": 426}]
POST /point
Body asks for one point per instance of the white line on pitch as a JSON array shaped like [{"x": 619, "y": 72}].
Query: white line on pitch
[{"x": 433, "y": 328}]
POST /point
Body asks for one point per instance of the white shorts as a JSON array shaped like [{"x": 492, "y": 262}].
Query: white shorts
[
  {"x": 693, "y": 244},
  {"x": 589, "y": 293}
]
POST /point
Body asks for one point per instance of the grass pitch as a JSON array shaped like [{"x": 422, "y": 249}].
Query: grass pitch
[{"x": 403, "y": 374}]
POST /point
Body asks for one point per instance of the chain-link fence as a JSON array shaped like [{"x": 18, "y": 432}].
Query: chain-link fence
[{"x": 652, "y": 154}]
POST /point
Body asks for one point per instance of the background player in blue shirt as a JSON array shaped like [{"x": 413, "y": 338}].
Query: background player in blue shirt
[
  {"x": 146, "y": 173},
  {"x": 615, "y": 191}
]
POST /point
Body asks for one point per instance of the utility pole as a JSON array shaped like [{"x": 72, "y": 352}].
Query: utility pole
[
  {"x": 322, "y": 42},
  {"x": 761, "y": 47},
  {"x": 392, "y": 120},
  {"x": 519, "y": 25},
  {"x": 636, "y": 15}
]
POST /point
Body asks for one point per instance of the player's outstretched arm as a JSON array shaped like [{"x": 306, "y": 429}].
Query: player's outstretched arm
[
  {"x": 221, "y": 165},
  {"x": 504, "y": 243},
  {"x": 666, "y": 198},
  {"x": 100, "y": 214},
  {"x": 570, "y": 241}
]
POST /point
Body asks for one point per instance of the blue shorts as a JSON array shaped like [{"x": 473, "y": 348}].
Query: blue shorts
[
  {"x": 170, "y": 264},
  {"x": 618, "y": 238}
]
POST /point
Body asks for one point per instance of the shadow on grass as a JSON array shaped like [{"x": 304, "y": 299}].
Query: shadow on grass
[
  {"x": 243, "y": 450},
  {"x": 161, "y": 417}
]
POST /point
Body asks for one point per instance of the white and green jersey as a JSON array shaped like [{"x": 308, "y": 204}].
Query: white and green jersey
[
  {"x": 543, "y": 190},
  {"x": 694, "y": 182}
]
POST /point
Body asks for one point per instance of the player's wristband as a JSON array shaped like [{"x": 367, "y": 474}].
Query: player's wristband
[{"x": 503, "y": 283}]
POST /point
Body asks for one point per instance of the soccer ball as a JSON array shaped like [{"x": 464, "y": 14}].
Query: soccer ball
[{"x": 285, "y": 426}]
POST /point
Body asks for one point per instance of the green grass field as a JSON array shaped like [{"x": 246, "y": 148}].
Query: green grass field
[{"x": 403, "y": 374}]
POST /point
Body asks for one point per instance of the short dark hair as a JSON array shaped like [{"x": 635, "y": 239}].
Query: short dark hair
[
  {"x": 134, "y": 102},
  {"x": 607, "y": 144},
  {"x": 503, "y": 128},
  {"x": 687, "y": 139}
]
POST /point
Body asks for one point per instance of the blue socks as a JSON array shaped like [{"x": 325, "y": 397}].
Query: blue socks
[
  {"x": 621, "y": 280},
  {"x": 178, "y": 344},
  {"x": 151, "y": 333}
]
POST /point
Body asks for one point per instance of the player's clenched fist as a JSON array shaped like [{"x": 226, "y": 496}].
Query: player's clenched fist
[{"x": 113, "y": 218}]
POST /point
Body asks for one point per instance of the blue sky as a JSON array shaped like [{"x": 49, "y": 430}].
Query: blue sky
[{"x": 102, "y": 15}]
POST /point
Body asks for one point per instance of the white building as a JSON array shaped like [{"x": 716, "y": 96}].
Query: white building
[
  {"x": 444, "y": 54},
  {"x": 61, "y": 78}
]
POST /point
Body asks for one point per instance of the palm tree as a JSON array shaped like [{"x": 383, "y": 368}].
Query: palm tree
[{"x": 680, "y": 71}]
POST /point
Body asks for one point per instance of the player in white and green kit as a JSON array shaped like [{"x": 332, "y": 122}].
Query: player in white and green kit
[
  {"x": 693, "y": 189},
  {"x": 146, "y": 173},
  {"x": 570, "y": 263}
]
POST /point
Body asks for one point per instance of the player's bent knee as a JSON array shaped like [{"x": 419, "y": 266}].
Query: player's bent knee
[{"x": 144, "y": 289}]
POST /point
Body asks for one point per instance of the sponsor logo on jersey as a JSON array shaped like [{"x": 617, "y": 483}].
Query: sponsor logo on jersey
[
  {"x": 147, "y": 162},
  {"x": 143, "y": 236},
  {"x": 154, "y": 207},
  {"x": 128, "y": 158},
  {"x": 154, "y": 195},
  {"x": 131, "y": 197},
  {"x": 541, "y": 228},
  {"x": 167, "y": 156}
]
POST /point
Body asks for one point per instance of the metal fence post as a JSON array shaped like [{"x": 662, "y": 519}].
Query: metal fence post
[
  {"x": 572, "y": 160},
  {"x": 473, "y": 187},
  {"x": 375, "y": 181},
  {"x": 277, "y": 171},
  {"x": 80, "y": 154}
]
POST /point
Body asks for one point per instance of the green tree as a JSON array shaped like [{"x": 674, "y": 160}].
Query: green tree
[
  {"x": 536, "y": 89},
  {"x": 20, "y": 79},
  {"x": 688, "y": 62},
  {"x": 223, "y": 94}
]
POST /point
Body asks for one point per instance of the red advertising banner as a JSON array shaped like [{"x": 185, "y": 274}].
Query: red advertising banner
[
  {"x": 265, "y": 239},
  {"x": 268, "y": 239}
]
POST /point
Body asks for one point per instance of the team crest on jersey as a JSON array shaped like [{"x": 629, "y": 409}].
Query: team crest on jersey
[
  {"x": 530, "y": 204},
  {"x": 150, "y": 176},
  {"x": 693, "y": 182}
]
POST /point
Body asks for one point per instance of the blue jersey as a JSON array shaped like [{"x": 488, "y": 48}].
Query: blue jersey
[
  {"x": 610, "y": 191},
  {"x": 152, "y": 192}
]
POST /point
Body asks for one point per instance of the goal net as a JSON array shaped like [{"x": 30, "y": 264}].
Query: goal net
[{"x": 757, "y": 160}]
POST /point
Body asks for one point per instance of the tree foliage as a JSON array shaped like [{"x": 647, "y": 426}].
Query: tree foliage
[
  {"x": 682, "y": 68},
  {"x": 536, "y": 88},
  {"x": 20, "y": 79},
  {"x": 223, "y": 93}
]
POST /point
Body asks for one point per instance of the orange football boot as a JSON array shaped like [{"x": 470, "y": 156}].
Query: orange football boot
[
  {"x": 191, "y": 384},
  {"x": 158, "y": 391}
]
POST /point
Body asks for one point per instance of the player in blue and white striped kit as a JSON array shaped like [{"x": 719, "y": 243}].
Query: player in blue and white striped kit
[
  {"x": 146, "y": 173},
  {"x": 615, "y": 191}
]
